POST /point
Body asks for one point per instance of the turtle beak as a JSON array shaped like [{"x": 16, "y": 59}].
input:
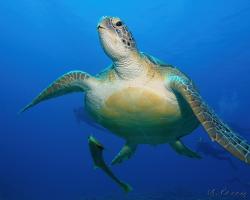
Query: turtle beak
[
  {"x": 100, "y": 27},
  {"x": 104, "y": 23}
]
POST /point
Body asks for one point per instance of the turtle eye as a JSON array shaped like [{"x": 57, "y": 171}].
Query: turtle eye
[{"x": 119, "y": 23}]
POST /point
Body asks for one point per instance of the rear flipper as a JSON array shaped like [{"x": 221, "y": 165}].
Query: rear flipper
[
  {"x": 126, "y": 152},
  {"x": 216, "y": 129},
  {"x": 181, "y": 149}
]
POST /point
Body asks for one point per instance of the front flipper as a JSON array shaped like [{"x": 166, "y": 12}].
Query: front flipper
[
  {"x": 74, "y": 81},
  {"x": 126, "y": 152},
  {"x": 96, "y": 150},
  {"x": 180, "y": 148},
  {"x": 216, "y": 129}
]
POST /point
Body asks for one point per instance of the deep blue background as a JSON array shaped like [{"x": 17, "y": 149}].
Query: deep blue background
[{"x": 44, "y": 153}]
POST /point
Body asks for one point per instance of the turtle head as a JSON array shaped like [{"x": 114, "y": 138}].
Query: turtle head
[{"x": 116, "y": 39}]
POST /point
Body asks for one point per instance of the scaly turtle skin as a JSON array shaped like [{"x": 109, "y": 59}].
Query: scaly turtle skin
[{"x": 143, "y": 100}]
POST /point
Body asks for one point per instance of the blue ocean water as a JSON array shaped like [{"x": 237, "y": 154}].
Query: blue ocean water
[{"x": 44, "y": 152}]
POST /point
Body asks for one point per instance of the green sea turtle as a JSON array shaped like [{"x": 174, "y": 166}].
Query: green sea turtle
[{"x": 143, "y": 100}]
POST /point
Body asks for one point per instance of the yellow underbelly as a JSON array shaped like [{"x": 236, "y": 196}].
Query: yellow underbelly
[
  {"x": 140, "y": 106},
  {"x": 145, "y": 115}
]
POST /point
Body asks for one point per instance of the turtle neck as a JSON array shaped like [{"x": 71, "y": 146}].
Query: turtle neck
[{"x": 129, "y": 67}]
